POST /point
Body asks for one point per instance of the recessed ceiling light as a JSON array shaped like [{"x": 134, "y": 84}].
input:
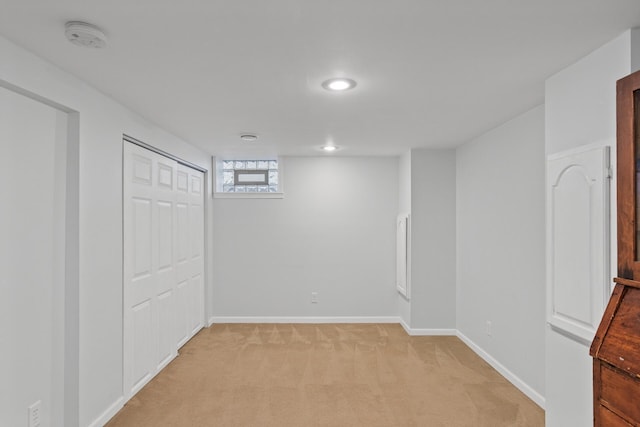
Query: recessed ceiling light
[
  {"x": 329, "y": 148},
  {"x": 338, "y": 84},
  {"x": 249, "y": 137},
  {"x": 85, "y": 35}
]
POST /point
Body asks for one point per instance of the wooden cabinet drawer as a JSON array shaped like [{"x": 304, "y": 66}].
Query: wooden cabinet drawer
[
  {"x": 619, "y": 393},
  {"x": 609, "y": 419}
]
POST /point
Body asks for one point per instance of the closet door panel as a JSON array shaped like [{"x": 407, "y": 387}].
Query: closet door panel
[{"x": 163, "y": 294}]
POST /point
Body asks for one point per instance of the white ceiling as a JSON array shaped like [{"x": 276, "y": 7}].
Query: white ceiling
[{"x": 430, "y": 73}]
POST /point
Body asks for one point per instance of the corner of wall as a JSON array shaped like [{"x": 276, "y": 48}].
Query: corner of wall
[
  {"x": 433, "y": 246},
  {"x": 635, "y": 49}
]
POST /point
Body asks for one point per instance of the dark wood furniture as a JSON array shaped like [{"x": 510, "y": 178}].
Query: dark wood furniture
[{"x": 616, "y": 346}]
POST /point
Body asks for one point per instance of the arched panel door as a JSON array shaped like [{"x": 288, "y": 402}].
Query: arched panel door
[{"x": 578, "y": 239}]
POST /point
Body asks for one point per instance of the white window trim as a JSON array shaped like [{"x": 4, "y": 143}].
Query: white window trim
[{"x": 223, "y": 195}]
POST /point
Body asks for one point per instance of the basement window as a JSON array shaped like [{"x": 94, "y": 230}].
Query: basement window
[{"x": 259, "y": 178}]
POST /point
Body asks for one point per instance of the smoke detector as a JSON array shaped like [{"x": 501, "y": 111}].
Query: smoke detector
[{"x": 85, "y": 35}]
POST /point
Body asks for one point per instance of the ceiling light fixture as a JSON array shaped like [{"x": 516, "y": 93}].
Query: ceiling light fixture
[
  {"x": 329, "y": 148},
  {"x": 339, "y": 84},
  {"x": 249, "y": 137},
  {"x": 85, "y": 35}
]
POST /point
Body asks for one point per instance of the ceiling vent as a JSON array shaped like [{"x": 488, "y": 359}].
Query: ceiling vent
[
  {"x": 85, "y": 35},
  {"x": 249, "y": 137}
]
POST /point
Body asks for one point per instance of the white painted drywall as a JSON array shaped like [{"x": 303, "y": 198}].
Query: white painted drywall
[
  {"x": 32, "y": 182},
  {"x": 500, "y": 259},
  {"x": 581, "y": 109},
  {"x": 404, "y": 206},
  {"x": 101, "y": 125},
  {"x": 333, "y": 233},
  {"x": 433, "y": 239},
  {"x": 635, "y": 48}
]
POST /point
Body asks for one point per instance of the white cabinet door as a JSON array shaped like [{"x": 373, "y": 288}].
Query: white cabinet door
[
  {"x": 402, "y": 254},
  {"x": 578, "y": 240},
  {"x": 163, "y": 223}
]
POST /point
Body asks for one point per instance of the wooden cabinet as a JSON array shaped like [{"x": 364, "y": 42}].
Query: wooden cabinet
[
  {"x": 616, "y": 346},
  {"x": 616, "y": 363}
]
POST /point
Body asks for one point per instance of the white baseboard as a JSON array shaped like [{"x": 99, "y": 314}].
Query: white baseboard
[
  {"x": 427, "y": 332},
  {"x": 303, "y": 319},
  {"x": 406, "y": 327},
  {"x": 510, "y": 376},
  {"x": 108, "y": 414}
]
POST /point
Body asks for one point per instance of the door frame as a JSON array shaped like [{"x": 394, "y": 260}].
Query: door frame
[{"x": 65, "y": 384}]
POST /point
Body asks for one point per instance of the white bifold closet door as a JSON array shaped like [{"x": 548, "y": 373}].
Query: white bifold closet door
[{"x": 163, "y": 295}]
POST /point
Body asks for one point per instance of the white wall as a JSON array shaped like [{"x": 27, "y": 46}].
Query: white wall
[
  {"x": 98, "y": 320},
  {"x": 333, "y": 233},
  {"x": 433, "y": 240},
  {"x": 500, "y": 260},
  {"x": 31, "y": 256},
  {"x": 635, "y": 50},
  {"x": 404, "y": 206},
  {"x": 581, "y": 109}
]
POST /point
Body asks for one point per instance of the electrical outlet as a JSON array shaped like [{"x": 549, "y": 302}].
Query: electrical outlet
[
  {"x": 314, "y": 297},
  {"x": 34, "y": 414},
  {"x": 488, "y": 328}
]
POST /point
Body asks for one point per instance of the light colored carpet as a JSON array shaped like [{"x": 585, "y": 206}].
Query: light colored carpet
[{"x": 263, "y": 375}]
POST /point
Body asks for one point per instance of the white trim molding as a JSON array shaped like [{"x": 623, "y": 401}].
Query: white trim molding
[
  {"x": 302, "y": 319},
  {"x": 221, "y": 195},
  {"x": 109, "y": 413},
  {"x": 510, "y": 376},
  {"x": 414, "y": 332}
]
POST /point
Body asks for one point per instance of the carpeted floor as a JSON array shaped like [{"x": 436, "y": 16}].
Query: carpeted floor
[{"x": 264, "y": 375}]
